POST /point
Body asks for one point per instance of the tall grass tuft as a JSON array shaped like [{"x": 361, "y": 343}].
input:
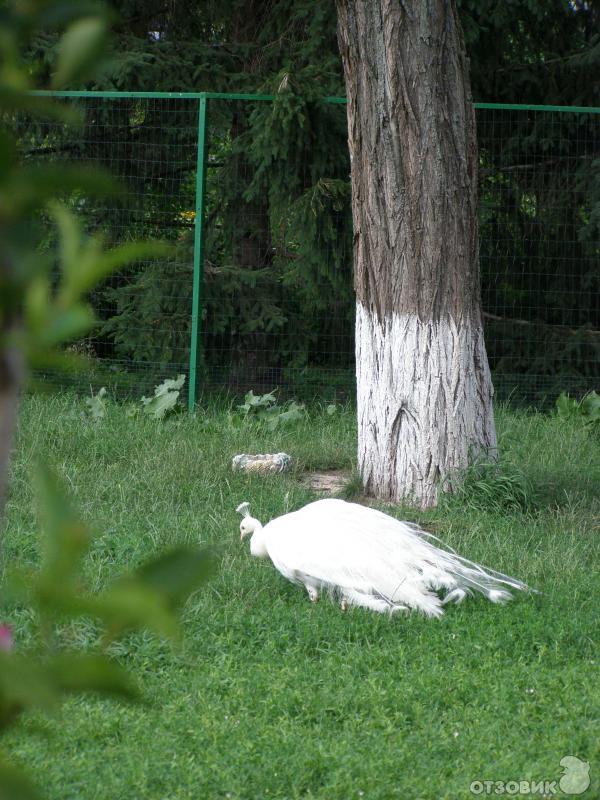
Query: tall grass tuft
[{"x": 492, "y": 486}]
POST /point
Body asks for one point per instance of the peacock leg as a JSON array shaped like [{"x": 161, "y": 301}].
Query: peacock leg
[{"x": 312, "y": 593}]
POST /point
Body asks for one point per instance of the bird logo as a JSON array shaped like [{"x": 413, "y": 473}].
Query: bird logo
[{"x": 576, "y": 777}]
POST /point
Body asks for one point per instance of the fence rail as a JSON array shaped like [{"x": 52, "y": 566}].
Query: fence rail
[{"x": 254, "y": 190}]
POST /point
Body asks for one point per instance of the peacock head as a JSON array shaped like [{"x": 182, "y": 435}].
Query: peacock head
[{"x": 249, "y": 524}]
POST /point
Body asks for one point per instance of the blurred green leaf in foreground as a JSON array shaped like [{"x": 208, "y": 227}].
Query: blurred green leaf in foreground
[
  {"x": 147, "y": 598},
  {"x": 42, "y": 308}
]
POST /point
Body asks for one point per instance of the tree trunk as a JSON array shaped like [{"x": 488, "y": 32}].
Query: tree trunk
[{"x": 424, "y": 389}]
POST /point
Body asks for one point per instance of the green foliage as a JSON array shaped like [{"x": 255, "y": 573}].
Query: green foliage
[
  {"x": 52, "y": 296},
  {"x": 44, "y": 304},
  {"x": 278, "y": 267},
  {"x": 264, "y": 409},
  {"x": 97, "y": 404},
  {"x": 587, "y": 410},
  {"x": 546, "y": 320},
  {"x": 494, "y": 487},
  {"x": 163, "y": 403},
  {"x": 256, "y": 404},
  {"x": 165, "y": 399},
  {"x": 278, "y": 249},
  {"x": 80, "y": 48},
  {"x": 56, "y": 307},
  {"x": 49, "y": 317},
  {"x": 538, "y": 51},
  {"x": 539, "y": 196},
  {"x": 14, "y": 785},
  {"x": 155, "y": 299},
  {"x": 284, "y": 193}
]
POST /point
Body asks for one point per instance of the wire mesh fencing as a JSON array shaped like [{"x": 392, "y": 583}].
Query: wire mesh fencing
[
  {"x": 539, "y": 248},
  {"x": 278, "y": 304},
  {"x": 255, "y": 195},
  {"x": 149, "y": 146}
]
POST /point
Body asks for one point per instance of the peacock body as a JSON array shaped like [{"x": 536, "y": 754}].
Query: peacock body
[{"x": 366, "y": 558}]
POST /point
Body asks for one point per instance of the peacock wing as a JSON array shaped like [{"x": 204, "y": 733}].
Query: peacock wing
[{"x": 334, "y": 544}]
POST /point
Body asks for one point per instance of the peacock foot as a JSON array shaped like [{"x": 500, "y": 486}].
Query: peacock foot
[{"x": 313, "y": 594}]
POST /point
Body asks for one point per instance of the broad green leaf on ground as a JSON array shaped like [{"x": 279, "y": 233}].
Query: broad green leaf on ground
[
  {"x": 97, "y": 404},
  {"x": 293, "y": 412},
  {"x": 165, "y": 398},
  {"x": 587, "y": 409},
  {"x": 590, "y": 406},
  {"x": 254, "y": 402}
]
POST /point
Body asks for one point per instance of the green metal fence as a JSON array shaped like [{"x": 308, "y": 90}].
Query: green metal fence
[{"x": 258, "y": 293}]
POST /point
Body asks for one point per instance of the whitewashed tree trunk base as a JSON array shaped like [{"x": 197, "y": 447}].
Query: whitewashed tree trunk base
[{"x": 424, "y": 395}]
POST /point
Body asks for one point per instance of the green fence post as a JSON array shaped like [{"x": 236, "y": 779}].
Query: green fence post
[{"x": 198, "y": 248}]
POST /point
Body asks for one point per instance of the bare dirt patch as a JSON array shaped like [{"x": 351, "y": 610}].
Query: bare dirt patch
[{"x": 328, "y": 481}]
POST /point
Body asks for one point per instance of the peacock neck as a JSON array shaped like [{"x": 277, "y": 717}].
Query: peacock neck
[{"x": 258, "y": 543}]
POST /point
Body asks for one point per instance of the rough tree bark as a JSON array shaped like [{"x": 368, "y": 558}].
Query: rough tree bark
[{"x": 424, "y": 389}]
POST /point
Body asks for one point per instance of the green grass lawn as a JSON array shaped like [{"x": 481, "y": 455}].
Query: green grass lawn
[{"x": 272, "y": 697}]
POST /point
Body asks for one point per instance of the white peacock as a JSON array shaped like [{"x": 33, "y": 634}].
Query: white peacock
[{"x": 366, "y": 558}]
